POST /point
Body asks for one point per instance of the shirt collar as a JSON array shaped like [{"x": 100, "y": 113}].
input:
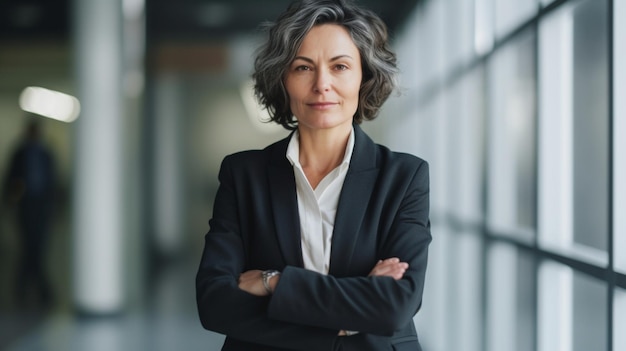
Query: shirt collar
[{"x": 293, "y": 150}]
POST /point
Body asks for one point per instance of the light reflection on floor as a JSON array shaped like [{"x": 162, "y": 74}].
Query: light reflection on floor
[
  {"x": 169, "y": 322},
  {"x": 118, "y": 333}
]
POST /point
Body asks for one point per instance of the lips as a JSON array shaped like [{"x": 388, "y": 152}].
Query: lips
[{"x": 322, "y": 105}]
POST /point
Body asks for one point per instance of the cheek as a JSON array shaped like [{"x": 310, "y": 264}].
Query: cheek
[
  {"x": 355, "y": 91},
  {"x": 293, "y": 88},
  {"x": 355, "y": 86}
]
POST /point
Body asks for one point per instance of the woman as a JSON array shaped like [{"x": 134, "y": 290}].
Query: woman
[{"x": 319, "y": 241}]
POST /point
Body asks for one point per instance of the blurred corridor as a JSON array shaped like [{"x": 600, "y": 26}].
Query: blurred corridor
[
  {"x": 516, "y": 104},
  {"x": 167, "y": 320}
]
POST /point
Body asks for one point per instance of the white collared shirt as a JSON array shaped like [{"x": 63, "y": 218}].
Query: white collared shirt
[{"x": 317, "y": 207}]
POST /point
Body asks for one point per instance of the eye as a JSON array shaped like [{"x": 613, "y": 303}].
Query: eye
[
  {"x": 302, "y": 68},
  {"x": 341, "y": 67}
]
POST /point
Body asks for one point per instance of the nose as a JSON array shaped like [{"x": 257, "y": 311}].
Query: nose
[{"x": 322, "y": 81}]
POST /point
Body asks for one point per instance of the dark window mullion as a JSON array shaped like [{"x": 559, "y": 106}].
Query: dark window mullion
[{"x": 611, "y": 251}]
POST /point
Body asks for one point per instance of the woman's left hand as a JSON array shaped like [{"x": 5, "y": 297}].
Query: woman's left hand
[
  {"x": 391, "y": 267},
  {"x": 252, "y": 282}
]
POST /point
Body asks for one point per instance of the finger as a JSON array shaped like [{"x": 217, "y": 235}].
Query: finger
[
  {"x": 389, "y": 270},
  {"x": 396, "y": 270},
  {"x": 391, "y": 264},
  {"x": 397, "y": 274}
]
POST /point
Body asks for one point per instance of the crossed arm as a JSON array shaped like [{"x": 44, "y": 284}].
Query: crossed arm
[
  {"x": 251, "y": 281},
  {"x": 297, "y": 315}
]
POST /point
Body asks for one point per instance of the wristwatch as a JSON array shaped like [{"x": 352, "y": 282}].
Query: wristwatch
[{"x": 265, "y": 276}]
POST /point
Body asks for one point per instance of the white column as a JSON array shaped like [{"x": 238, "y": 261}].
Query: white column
[
  {"x": 97, "y": 205},
  {"x": 168, "y": 176}
]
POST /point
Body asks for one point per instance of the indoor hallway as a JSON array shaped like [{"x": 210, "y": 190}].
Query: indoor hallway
[{"x": 166, "y": 321}]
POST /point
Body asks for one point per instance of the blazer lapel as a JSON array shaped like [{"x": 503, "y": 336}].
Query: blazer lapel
[
  {"x": 285, "y": 205},
  {"x": 353, "y": 201}
]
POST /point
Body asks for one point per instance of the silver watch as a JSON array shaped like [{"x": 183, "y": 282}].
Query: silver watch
[{"x": 265, "y": 276}]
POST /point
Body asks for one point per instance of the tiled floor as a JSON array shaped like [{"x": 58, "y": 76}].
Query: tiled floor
[
  {"x": 169, "y": 322},
  {"x": 131, "y": 332},
  {"x": 163, "y": 318}
]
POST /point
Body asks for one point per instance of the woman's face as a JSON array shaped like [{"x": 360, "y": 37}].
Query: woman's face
[{"x": 324, "y": 79}]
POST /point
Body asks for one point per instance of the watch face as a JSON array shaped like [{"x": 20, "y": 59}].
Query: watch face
[
  {"x": 270, "y": 273},
  {"x": 265, "y": 276}
]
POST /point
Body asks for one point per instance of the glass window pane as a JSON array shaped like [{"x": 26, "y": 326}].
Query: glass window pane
[
  {"x": 483, "y": 26},
  {"x": 459, "y": 43},
  {"x": 434, "y": 319},
  {"x": 619, "y": 320},
  {"x": 466, "y": 143},
  {"x": 510, "y": 14},
  {"x": 555, "y": 130},
  {"x": 591, "y": 132},
  {"x": 510, "y": 299},
  {"x": 433, "y": 146},
  {"x": 619, "y": 130},
  {"x": 572, "y": 310},
  {"x": 573, "y": 131},
  {"x": 421, "y": 45},
  {"x": 555, "y": 300},
  {"x": 590, "y": 313},
  {"x": 511, "y": 179},
  {"x": 465, "y": 275}
]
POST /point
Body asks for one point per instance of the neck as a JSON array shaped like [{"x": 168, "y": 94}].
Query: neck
[{"x": 321, "y": 151}]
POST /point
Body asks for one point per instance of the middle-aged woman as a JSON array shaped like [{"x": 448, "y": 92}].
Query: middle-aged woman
[{"x": 320, "y": 240}]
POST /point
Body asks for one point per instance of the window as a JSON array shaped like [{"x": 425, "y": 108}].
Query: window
[
  {"x": 483, "y": 26},
  {"x": 619, "y": 320},
  {"x": 511, "y": 133},
  {"x": 619, "y": 142},
  {"x": 466, "y": 142},
  {"x": 555, "y": 299},
  {"x": 573, "y": 131},
  {"x": 466, "y": 276},
  {"x": 591, "y": 131},
  {"x": 590, "y": 308},
  {"x": 510, "y": 299},
  {"x": 569, "y": 303},
  {"x": 435, "y": 318},
  {"x": 459, "y": 26},
  {"x": 519, "y": 142},
  {"x": 424, "y": 44},
  {"x": 546, "y": 2},
  {"x": 512, "y": 13}
]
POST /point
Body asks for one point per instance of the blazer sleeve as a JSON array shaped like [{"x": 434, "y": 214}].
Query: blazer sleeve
[
  {"x": 226, "y": 309},
  {"x": 377, "y": 305}
]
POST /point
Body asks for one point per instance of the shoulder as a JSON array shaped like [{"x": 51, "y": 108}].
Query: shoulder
[
  {"x": 399, "y": 161},
  {"x": 244, "y": 157},
  {"x": 253, "y": 159},
  {"x": 402, "y": 171}
]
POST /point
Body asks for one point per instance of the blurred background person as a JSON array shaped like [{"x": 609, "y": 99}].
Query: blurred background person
[{"x": 29, "y": 187}]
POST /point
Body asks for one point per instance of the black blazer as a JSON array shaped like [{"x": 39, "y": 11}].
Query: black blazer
[{"x": 382, "y": 212}]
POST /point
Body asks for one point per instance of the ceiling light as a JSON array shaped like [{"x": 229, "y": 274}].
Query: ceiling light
[{"x": 50, "y": 103}]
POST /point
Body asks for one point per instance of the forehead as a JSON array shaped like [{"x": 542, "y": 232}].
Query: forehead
[{"x": 328, "y": 37}]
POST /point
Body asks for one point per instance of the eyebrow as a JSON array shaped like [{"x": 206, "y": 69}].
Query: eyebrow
[{"x": 332, "y": 59}]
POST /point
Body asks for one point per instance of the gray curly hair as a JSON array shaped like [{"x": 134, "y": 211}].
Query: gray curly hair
[{"x": 369, "y": 34}]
